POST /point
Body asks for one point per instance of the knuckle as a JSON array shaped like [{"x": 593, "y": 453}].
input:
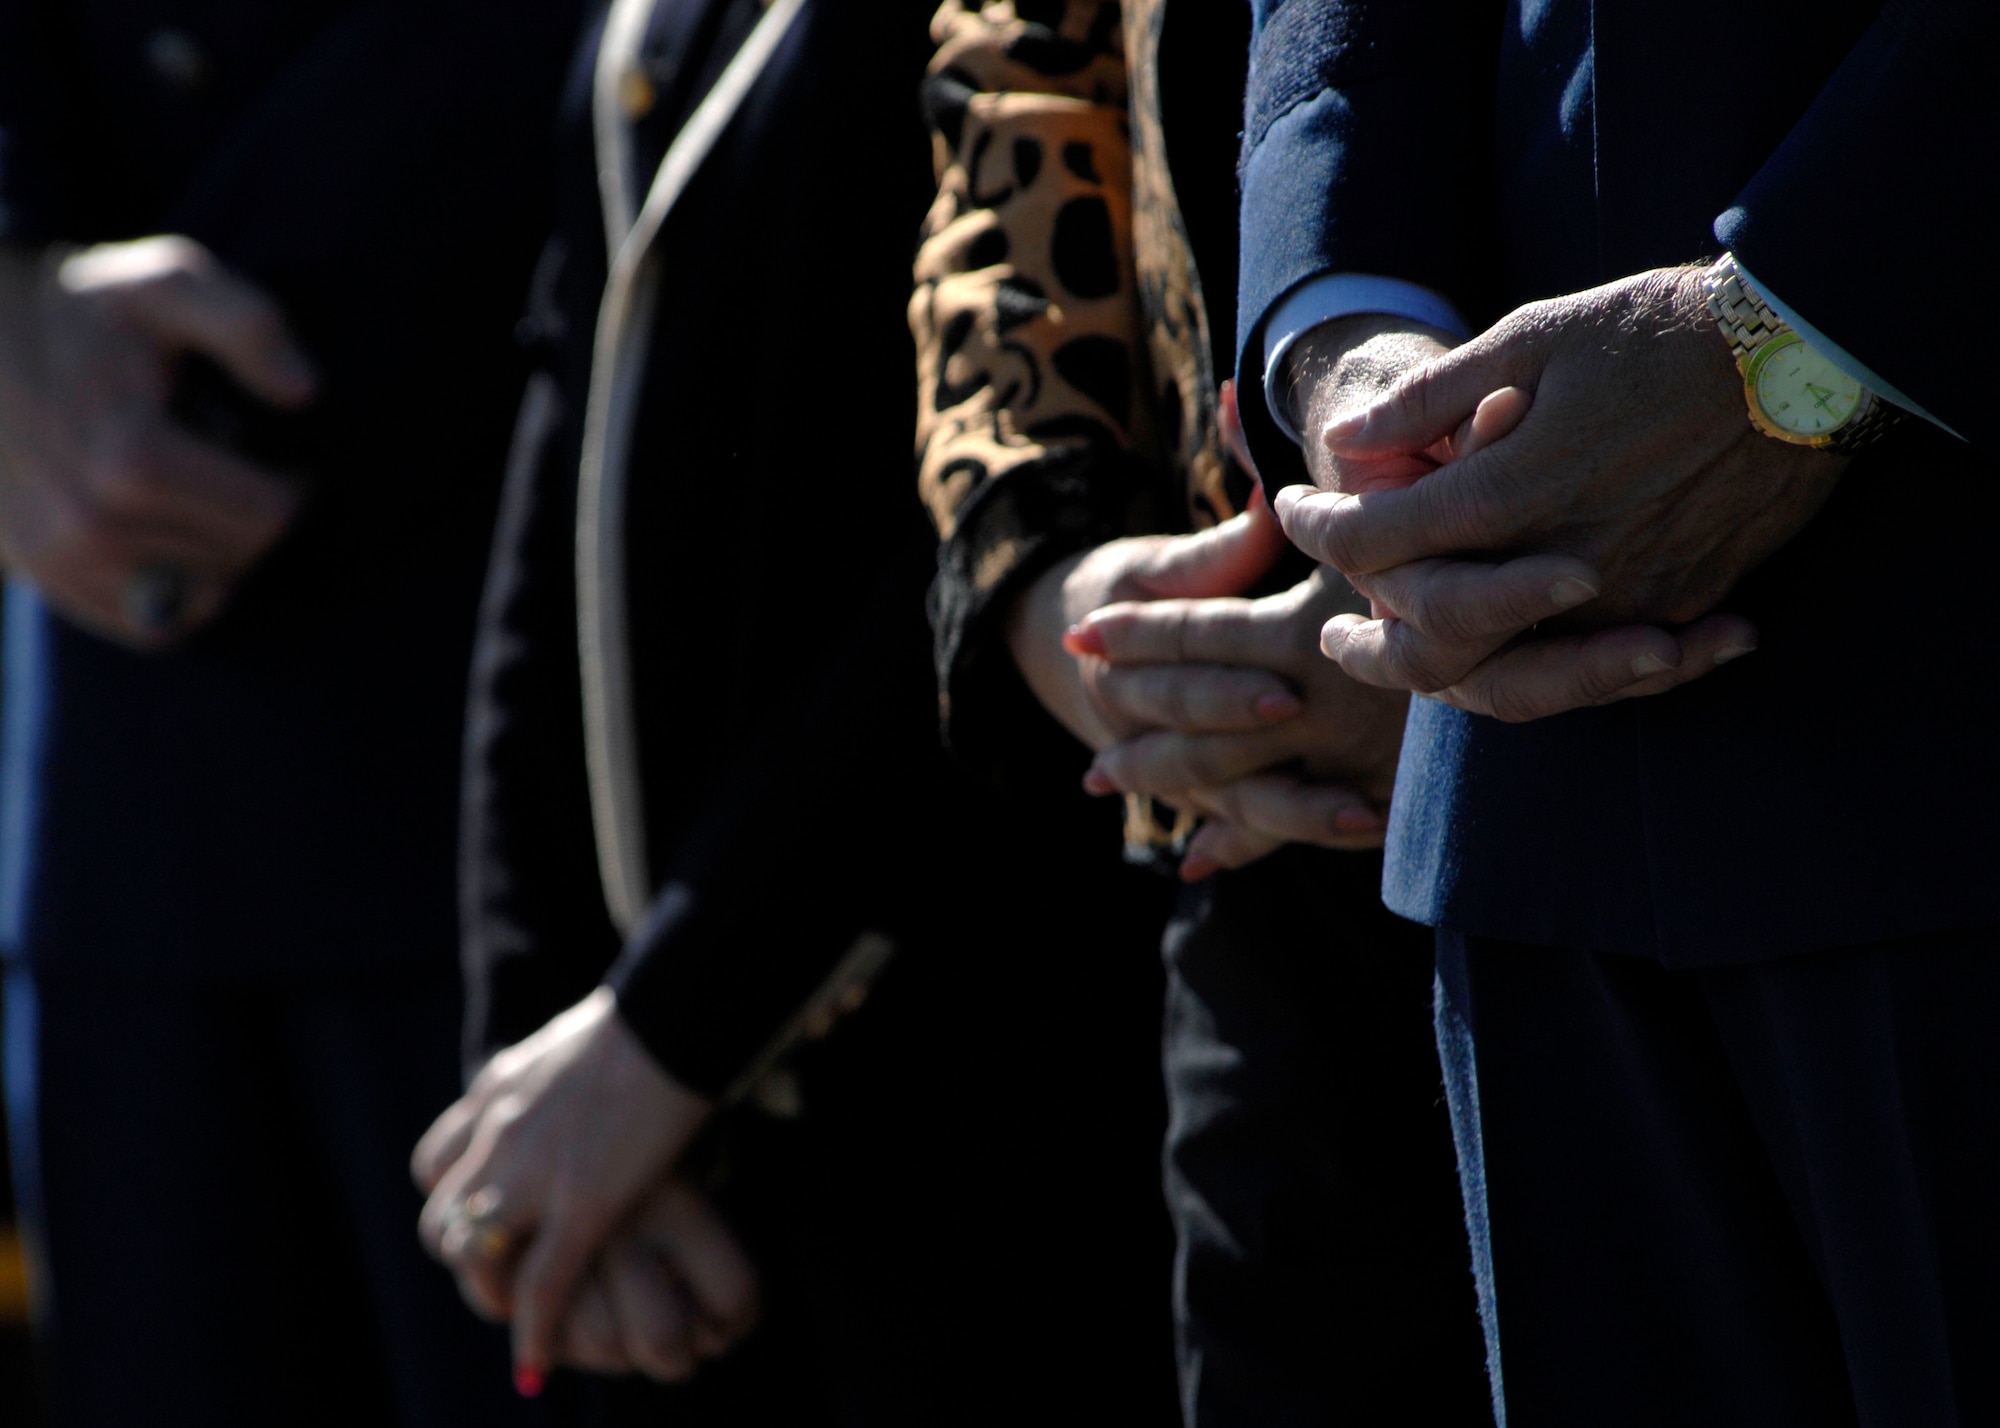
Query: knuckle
[
  {"x": 1597, "y": 684},
  {"x": 1205, "y": 763},
  {"x": 1410, "y": 663},
  {"x": 1440, "y": 615},
  {"x": 1410, "y": 399},
  {"x": 1460, "y": 514},
  {"x": 1509, "y": 702},
  {"x": 1335, "y": 539},
  {"x": 119, "y": 478}
]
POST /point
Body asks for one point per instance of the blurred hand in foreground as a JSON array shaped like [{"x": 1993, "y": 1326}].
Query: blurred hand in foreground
[{"x": 127, "y": 523}]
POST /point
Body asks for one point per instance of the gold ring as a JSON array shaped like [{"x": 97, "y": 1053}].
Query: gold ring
[{"x": 478, "y": 1216}]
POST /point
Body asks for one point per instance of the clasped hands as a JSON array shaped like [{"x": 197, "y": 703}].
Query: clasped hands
[
  {"x": 556, "y": 1201},
  {"x": 1192, "y": 692},
  {"x": 1575, "y": 556}
]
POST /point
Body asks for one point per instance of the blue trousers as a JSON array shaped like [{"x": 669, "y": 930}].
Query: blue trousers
[{"x": 1756, "y": 1195}]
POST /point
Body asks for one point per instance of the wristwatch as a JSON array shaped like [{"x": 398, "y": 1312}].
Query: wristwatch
[{"x": 1794, "y": 393}]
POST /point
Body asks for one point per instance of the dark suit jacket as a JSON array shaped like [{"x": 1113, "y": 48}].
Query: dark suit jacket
[
  {"x": 788, "y": 752},
  {"x": 280, "y": 794},
  {"x": 1838, "y": 787}
]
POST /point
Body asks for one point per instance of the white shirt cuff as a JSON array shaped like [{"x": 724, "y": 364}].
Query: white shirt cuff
[
  {"x": 1335, "y": 295},
  {"x": 1834, "y": 353}
]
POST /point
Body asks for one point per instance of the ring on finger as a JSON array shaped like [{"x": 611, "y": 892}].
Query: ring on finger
[
  {"x": 477, "y": 1225},
  {"x": 157, "y": 596}
]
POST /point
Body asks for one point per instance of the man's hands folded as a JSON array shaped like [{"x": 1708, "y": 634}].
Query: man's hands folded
[{"x": 1620, "y": 490}]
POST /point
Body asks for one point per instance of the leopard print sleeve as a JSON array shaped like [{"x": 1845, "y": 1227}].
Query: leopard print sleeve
[{"x": 1034, "y": 435}]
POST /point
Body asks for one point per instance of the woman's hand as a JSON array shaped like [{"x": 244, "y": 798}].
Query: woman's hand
[
  {"x": 673, "y": 1289},
  {"x": 534, "y": 1169},
  {"x": 1322, "y": 775},
  {"x": 1100, "y": 705}
]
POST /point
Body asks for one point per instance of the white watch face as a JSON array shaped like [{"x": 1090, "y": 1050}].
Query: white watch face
[{"x": 1800, "y": 391}]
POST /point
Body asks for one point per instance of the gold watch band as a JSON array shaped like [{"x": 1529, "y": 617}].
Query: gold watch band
[
  {"x": 1745, "y": 318},
  {"x": 1748, "y": 322}
]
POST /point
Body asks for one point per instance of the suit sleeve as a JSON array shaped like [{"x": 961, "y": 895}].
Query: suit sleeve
[
  {"x": 813, "y": 836},
  {"x": 1871, "y": 218},
  {"x": 1356, "y": 159},
  {"x": 1031, "y": 370},
  {"x": 535, "y": 934}
]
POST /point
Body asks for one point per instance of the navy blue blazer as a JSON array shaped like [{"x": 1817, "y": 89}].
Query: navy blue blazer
[
  {"x": 1839, "y": 787},
  {"x": 280, "y": 795}
]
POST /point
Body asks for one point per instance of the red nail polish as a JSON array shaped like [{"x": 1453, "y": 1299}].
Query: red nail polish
[
  {"x": 1081, "y": 640},
  {"x": 528, "y": 1381},
  {"x": 1195, "y": 868},
  {"x": 1096, "y": 781}
]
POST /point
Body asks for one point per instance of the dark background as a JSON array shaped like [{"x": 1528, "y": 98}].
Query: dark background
[{"x": 20, "y": 1405}]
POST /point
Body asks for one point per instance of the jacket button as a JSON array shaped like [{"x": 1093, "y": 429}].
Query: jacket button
[
  {"x": 178, "y": 59},
  {"x": 637, "y": 94}
]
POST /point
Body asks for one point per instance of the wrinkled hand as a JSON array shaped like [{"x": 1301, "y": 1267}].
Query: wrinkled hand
[
  {"x": 1322, "y": 776},
  {"x": 1635, "y": 473},
  {"x": 97, "y": 484},
  {"x": 556, "y": 1142},
  {"x": 672, "y": 1290}
]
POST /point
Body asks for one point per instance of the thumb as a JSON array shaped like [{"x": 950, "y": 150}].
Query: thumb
[
  {"x": 1428, "y": 405},
  {"x": 1497, "y": 415},
  {"x": 198, "y": 305},
  {"x": 1223, "y": 560}
]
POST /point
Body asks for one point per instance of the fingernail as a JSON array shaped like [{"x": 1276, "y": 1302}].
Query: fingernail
[
  {"x": 1083, "y": 640},
  {"x": 1358, "y": 818},
  {"x": 1333, "y": 634},
  {"x": 1343, "y": 428},
  {"x": 1569, "y": 592},
  {"x": 1735, "y": 649},
  {"x": 1288, "y": 498},
  {"x": 528, "y": 1381},
  {"x": 1097, "y": 781},
  {"x": 1648, "y": 665},
  {"x": 1277, "y": 705},
  {"x": 1196, "y": 866}
]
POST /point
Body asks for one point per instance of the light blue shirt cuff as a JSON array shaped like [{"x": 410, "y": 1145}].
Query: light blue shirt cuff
[
  {"x": 1834, "y": 353},
  {"x": 1334, "y": 295}
]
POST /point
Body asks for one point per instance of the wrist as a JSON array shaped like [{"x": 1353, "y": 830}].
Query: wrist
[
  {"x": 1034, "y": 629},
  {"x": 1333, "y": 365},
  {"x": 628, "y": 1066}
]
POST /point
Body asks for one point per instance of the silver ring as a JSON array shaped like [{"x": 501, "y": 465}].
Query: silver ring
[{"x": 157, "y": 595}]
